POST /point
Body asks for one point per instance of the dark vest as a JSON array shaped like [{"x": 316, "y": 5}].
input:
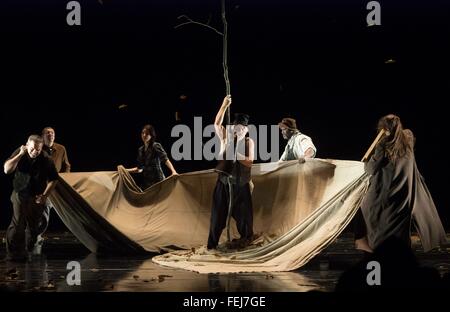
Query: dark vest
[{"x": 238, "y": 173}]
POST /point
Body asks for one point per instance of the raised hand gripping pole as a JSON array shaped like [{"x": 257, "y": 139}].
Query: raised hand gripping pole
[{"x": 374, "y": 143}]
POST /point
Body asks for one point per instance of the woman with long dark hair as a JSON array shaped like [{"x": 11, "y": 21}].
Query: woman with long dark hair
[
  {"x": 397, "y": 194},
  {"x": 149, "y": 159}
]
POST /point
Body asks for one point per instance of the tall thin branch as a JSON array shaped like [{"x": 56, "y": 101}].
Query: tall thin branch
[
  {"x": 227, "y": 86},
  {"x": 224, "y": 47},
  {"x": 225, "y": 57},
  {"x": 191, "y": 21}
]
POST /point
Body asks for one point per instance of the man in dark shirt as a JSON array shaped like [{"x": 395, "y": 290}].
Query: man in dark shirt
[
  {"x": 34, "y": 177},
  {"x": 57, "y": 152}
]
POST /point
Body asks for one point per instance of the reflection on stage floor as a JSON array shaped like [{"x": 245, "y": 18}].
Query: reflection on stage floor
[{"x": 48, "y": 272}]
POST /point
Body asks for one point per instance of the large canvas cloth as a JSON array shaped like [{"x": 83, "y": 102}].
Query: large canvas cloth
[
  {"x": 323, "y": 208},
  {"x": 299, "y": 207}
]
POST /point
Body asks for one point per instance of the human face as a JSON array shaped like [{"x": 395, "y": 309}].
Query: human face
[
  {"x": 285, "y": 132},
  {"x": 49, "y": 136},
  {"x": 240, "y": 131},
  {"x": 145, "y": 136},
  {"x": 34, "y": 149}
]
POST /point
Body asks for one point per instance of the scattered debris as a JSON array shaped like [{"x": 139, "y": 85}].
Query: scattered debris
[
  {"x": 50, "y": 286},
  {"x": 161, "y": 278}
]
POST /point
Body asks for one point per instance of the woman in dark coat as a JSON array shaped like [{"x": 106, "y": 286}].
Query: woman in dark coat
[
  {"x": 397, "y": 194},
  {"x": 149, "y": 159}
]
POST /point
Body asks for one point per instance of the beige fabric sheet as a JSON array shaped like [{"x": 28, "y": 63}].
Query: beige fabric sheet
[
  {"x": 298, "y": 210},
  {"x": 337, "y": 197}
]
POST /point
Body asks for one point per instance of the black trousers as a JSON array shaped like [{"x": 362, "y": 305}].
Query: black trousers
[
  {"x": 242, "y": 211},
  {"x": 26, "y": 224},
  {"x": 45, "y": 219}
]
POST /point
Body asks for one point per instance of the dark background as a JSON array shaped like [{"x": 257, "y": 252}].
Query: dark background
[{"x": 316, "y": 61}]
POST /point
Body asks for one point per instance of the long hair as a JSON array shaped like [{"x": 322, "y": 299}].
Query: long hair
[
  {"x": 152, "y": 132},
  {"x": 398, "y": 142}
]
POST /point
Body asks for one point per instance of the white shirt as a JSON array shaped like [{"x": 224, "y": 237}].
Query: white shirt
[{"x": 296, "y": 147}]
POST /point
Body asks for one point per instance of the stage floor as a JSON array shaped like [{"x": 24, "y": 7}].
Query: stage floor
[{"x": 47, "y": 273}]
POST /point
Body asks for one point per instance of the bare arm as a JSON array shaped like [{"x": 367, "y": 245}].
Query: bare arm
[
  {"x": 306, "y": 145},
  {"x": 309, "y": 153},
  {"x": 171, "y": 167},
  {"x": 134, "y": 170},
  {"x": 41, "y": 199},
  {"x": 220, "y": 131},
  {"x": 11, "y": 164}
]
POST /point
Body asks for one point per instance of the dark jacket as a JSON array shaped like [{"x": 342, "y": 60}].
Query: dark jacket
[
  {"x": 32, "y": 175},
  {"x": 397, "y": 195}
]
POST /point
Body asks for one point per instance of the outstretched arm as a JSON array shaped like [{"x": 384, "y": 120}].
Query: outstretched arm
[
  {"x": 220, "y": 115},
  {"x": 134, "y": 170},
  {"x": 42, "y": 198},
  {"x": 309, "y": 153},
  {"x": 171, "y": 167}
]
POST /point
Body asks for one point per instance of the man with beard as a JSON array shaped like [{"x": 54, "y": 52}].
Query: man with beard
[{"x": 299, "y": 146}]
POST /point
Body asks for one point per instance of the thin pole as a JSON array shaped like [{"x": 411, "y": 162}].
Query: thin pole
[
  {"x": 225, "y": 57},
  {"x": 374, "y": 143}
]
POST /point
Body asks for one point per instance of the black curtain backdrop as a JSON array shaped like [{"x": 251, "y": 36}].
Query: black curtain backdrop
[{"x": 316, "y": 61}]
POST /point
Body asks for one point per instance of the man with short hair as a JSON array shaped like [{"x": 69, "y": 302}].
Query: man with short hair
[
  {"x": 56, "y": 151},
  {"x": 234, "y": 177},
  {"x": 34, "y": 177},
  {"x": 299, "y": 146}
]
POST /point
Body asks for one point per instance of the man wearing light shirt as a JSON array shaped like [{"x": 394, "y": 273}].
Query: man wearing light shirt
[{"x": 299, "y": 146}]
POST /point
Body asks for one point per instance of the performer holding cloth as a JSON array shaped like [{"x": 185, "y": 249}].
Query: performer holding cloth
[
  {"x": 235, "y": 161},
  {"x": 397, "y": 194}
]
